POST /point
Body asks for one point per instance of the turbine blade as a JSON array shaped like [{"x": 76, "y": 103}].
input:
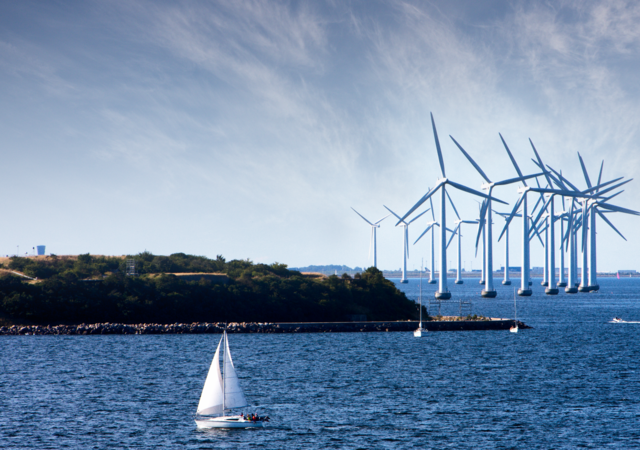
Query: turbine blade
[
  {"x": 512, "y": 215},
  {"x": 610, "y": 224},
  {"x": 564, "y": 180},
  {"x": 418, "y": 216},
  {"x": 435, "y": 135},
  {"x": 452, "y": 235},
  {"x": 452, "y": 205},
  {"x": 481, "y": 221},
  {"x": 618, "y": 209},
  {"x": 606, "y": 183},
  {"x": 433, "y": 216},
  {"x": 389, "y": 209},
  {"x": 515, "y": 180},
  {"x": 422, "y": 200},
  {"x": 473, "y": 163},
  {"x": 423, "y": 233},
  {"x": 613, "y": 187},
  {"x": 545, "y": 172},
  {"x": 474, "y": 192},
  {"x": 600, "y": 175},
  {"x": 362, "y": 216},
  {"x": 513, "y": 161},
  {"x": 584, "y": 171},
  {"x": 606, "y": 199}
]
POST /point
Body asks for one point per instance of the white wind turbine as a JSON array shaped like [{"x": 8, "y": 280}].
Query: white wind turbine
[
  {"x": 506, "y": 281},
  {"x": 488, "y": 290},
  {"x": 372, "y": 241},
  {"x": 442, "y": 292},
  {"x": 405, "y": 246},
  {"x": 458, "y": 230},
  {"x": 550, "y": 215}
]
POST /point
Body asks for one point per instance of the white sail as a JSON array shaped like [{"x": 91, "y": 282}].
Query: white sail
[
  {"x": 211, "y": 398},
  {"x": 233, "y": 395}
]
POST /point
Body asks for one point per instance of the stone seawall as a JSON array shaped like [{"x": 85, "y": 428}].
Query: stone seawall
[{"x": 246, "y": 327}]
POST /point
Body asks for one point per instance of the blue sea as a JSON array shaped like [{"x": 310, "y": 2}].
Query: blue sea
[{"x": 573, "y": 381}]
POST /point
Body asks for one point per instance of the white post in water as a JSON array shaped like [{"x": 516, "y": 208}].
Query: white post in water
[{"x": 571, "y": 282}]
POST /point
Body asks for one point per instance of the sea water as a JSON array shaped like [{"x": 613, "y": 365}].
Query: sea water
[{"x": 573, "y": 381}]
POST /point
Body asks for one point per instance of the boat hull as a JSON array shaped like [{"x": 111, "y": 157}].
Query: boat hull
[{"x": 227, "y": 422}]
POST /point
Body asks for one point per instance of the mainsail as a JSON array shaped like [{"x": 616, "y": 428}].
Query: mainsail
[
  {"x": 211, "y": 398},
  {"x": 233, "y": 395}
]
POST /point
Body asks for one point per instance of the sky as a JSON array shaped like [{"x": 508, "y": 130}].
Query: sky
[{"x": 249, "y": 129}]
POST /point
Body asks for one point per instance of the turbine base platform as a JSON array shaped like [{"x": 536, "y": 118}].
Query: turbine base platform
[
  {"x": 506, "y": 282},
  {"x": 443, "y": 295},
  {"x": 563, "y": 284},
  {"x": 551, "y": 291},
  {"x": 594, "y": 288},
  {"x": 587, "y": 288},
  {"x": 404, "y": 281},
  {"x": 459, "y": 282},
  {"x": 544, "y": 283},
  {"x": 433, "y": 281},
  {"x": 524, "y": 292},
  {"x": 571, "y": 290},
  {"x": 488, "y": 294}
]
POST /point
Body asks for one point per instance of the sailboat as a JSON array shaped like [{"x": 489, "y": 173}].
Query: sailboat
[
  {"x": 418, "y": 332},
  {"x": 514, "y": 328},
  {"x": 222, "y": 392}
]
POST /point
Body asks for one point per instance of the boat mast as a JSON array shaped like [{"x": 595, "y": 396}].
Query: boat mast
[
  {"x": 224, "y": 365},
  {"x": 421, "y": 268}
]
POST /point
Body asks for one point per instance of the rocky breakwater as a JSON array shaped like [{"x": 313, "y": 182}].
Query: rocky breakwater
[{"x": 253, "y": 327}]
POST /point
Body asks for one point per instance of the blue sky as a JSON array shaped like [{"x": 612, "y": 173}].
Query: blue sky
[{"x": 249, "y": 129}]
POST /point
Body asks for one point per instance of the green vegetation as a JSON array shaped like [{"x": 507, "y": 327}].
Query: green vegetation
[{"x": 90, "y": 289}]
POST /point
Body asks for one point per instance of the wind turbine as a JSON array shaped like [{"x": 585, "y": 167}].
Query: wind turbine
[
  {"x": 506, "y": 281},
  {"x": 405, "y": 226},
  {"x": 442, "y": 292},
  {"x": 458, "y": 230},
  {"x": 522, "y": 201},
  {"x": 590, "y": 206},
  {"x": 430, "y": 226},
  {"x": 372, "y": 241},
  {"x": 488, "y": 290},
  {"x": 590, "y": 209}
]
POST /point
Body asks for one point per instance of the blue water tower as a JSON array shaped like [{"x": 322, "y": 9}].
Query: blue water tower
[{"x": 40, "y": 250}]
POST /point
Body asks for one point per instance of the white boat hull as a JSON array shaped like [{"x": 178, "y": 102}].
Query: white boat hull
[
  {"x": 513, "y": 329},
  {"x": 227, "y": 422},
  {"x": 418, "y": 332}
]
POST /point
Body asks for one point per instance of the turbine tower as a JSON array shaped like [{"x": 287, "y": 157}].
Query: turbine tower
[
  {"x": 372, "y": 241},
  {"x": 443, "y": 292},
  {"x": 405, "y": 246}
]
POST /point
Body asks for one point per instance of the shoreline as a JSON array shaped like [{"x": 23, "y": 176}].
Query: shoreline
[{"x": 255, "y": 327}]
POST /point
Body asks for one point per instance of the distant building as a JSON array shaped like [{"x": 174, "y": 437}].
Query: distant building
[
  {"x": 40, "y": 249},
  {"x": 627, "y": 272}
]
